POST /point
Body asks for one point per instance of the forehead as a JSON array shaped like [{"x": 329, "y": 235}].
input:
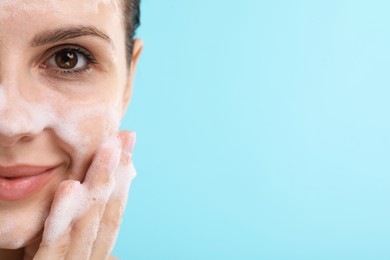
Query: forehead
[
  {"x": 25, "y": 18},
  {"x": 14, "y": 8}
]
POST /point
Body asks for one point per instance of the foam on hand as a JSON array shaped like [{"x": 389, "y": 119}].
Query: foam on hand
[{"x": 85, "y": 200}]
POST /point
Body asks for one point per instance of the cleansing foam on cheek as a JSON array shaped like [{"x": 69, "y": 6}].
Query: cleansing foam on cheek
[{"x": 78, "y": 125}]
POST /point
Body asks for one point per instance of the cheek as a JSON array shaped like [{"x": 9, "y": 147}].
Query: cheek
[
  {"x": 85, "y": 127},
  {"x": 93, "y": 127}
]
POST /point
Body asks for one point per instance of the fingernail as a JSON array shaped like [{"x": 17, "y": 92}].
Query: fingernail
[{"x": 130, "y": 142}]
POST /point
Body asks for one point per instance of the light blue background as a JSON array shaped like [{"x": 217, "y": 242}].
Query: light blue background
[{"x": 263, "y": 131}]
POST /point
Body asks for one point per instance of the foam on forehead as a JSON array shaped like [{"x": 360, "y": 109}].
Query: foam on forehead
[
  {"x": 93, "y": 5},
  {"x": 8, "y": 7}
]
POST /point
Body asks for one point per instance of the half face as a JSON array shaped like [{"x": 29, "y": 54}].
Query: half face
[{"x": 63, "y": 79}]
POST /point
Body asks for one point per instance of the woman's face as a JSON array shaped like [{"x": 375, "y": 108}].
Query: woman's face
[{"x": 64, "y": 84}]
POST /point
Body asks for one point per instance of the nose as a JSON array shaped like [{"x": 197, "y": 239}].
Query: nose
[{"x": 16, "y": 118}]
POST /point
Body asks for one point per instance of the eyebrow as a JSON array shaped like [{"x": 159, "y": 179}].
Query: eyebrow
[{"x": 62, "y": 34}]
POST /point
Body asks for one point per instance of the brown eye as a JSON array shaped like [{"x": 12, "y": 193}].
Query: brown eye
[
  {"x": 66, "y": 59},
  {"x": 69, "y": 60}
]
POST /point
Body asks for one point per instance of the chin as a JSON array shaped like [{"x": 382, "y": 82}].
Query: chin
[
  {"x": 21, "y": 227},
  {"x": 10, "y": 240}
]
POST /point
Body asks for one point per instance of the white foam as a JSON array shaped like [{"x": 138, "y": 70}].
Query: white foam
[
  {"x": 75, "y": 205},
  {"x": 18, "y": 116},
  {"x": 61, "y": 216},
  {"x": 93, "y": 5},
  {"x": 40, "y": 7},
  {"x": 47, "y": 6}
]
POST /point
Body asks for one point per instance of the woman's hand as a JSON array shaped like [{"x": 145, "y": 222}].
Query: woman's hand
[{"x": 84, "y": 218}]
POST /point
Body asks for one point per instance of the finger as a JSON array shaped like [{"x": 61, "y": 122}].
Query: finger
[
  {"x": 84, "y": 231},
  {"x": 111, "y": 220},
  {"x": 104, "y": 164},
  {"x": 112, "y": 216},
  {"x": 98, "y": 184},
  {"x": 128, "y": 141},
  {"x": 56, "y": 235}
]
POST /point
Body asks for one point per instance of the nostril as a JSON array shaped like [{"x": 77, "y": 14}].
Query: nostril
[
  {"x": 26, "y": 139},
  {"x": 9, "y": 141}
]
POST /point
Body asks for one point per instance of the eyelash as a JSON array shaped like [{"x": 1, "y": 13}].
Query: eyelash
[{"x": 90, "y": 59}]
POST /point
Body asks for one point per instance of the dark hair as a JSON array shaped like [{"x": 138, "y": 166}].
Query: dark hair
[{"x": 132, "y": 21}]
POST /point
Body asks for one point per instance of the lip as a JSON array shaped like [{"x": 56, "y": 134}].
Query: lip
[{"x": 22, "y": 181}]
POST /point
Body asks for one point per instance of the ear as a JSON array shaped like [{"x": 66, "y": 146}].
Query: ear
[{"x": 137, "y": 48}]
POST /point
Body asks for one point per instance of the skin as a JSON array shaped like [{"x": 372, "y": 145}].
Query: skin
[{"x": 70, "y": 121}]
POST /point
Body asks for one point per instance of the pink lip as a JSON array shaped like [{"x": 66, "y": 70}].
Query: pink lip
[{"x": 21, "y": 181}]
